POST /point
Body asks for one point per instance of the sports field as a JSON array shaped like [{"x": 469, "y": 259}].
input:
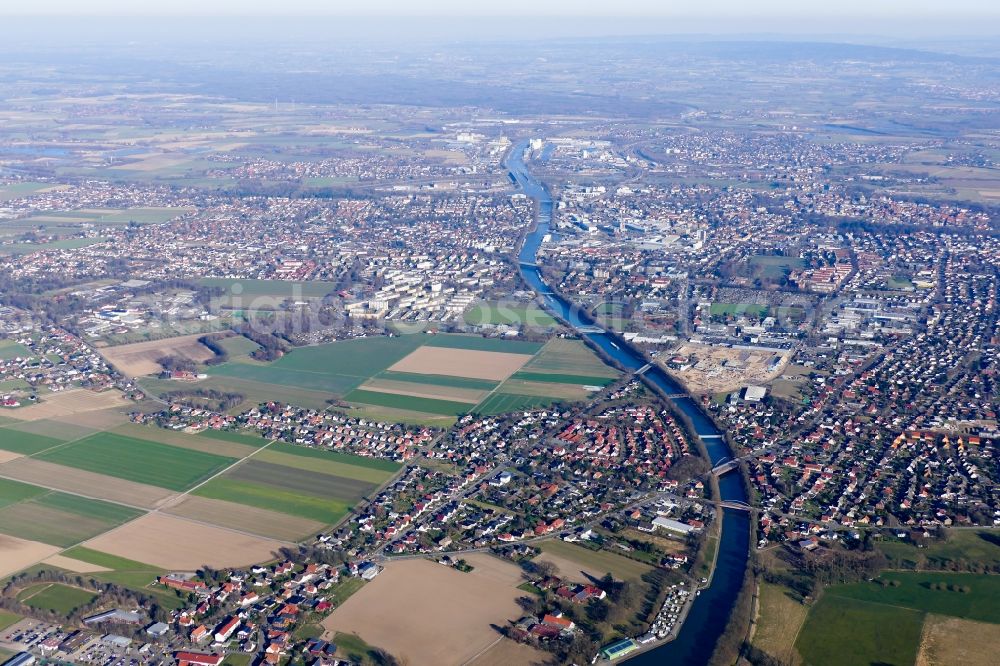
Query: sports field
[
  {"x": 738, "y": 309},
  {"x": 55, "y": 597}
]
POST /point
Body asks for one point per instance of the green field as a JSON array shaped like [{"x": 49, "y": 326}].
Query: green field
[
  {"x": 558, "y": 378},
  {"x": 18, "y": 190},
  {"x": 409, "y": 402},
  {"x": 477, "y": 343},
  {"x": 962, "y": 547},
  {"x": 250, "y": 439},
  {"x": 774, "y": 266},
  {"x": 62, "y": 520},
  {"x": 55, "y": 597},
  {"x": 839, "y": 631},
  {"x": 265, "y": 294},
  {"x": 138, "y": 460},
  {"x": 238, "y": 345},
  {"x": 439, "y": 380},
  {"x": 509, "y": 315},
  {"x": 15, "y": 491},
  {"x": 143, "y": 215},
  {"x": 62, "y": 244},
  {"x": 255, "y": 392},
  {"x": 735, "y": 309},
  {"x": 7, "y": 619},
  {"x": 387, "y": 467},
  {"x": 131, "y": 574},
  {"x": 900, "y": 282},
  {"x": 334, "y": 368},
  {"x": 10, "y": 349},
  {"x": 320, "y": 509},
  {"x": 8, "y": 385},
  {"x": 915, "y": 591},
  {"x": 594, "y": 562},
  {"x": 573, "y": 357},
  {"x": 500, "y": 403},
  {"x": 25, "y": 442}
]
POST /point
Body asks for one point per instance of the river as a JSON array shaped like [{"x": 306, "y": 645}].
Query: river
[{"x": 708, "y": 616}]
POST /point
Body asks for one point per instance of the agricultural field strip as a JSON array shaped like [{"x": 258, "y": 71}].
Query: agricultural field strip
[
  {"x": 57, "y": 445},
  {"x": 433, "y": 391},
  {"x": 170, "y": 502},
  {"x": 137, "y": 460},
  {"x": 174, "y": 500}
]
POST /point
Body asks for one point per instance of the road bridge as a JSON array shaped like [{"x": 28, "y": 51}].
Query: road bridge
[{"x": 724, "y": 467}]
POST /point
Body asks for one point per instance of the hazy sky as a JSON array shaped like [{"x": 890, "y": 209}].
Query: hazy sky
[
  {"x": 903, "y": 9},
  {"x": 911, "y": 22}
]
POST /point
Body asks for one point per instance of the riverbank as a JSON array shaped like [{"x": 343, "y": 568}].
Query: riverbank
[{"x": 708, "y": 615}]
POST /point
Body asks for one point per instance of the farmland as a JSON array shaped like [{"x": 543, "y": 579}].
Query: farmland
[
  {"x": 94, "y": 487},
  {"x": 882, "y": 621},
  {"x": 25, "y": 443},
  {"x": 948, "y": 640},
  {"x": 266, "y": 496},
  {"x": 24, "y": 189},
  {"x": 140, "y": 358},
  {"x": 416, "y": 378},
  {"x": 402, "y": 609},
  {"x": 781, "y": 617},
  {"x": 176, "y": 543},
  {"x": 409, "y": 402},
  {"x": 138, "y": 460},
  {"x": 500, "y": 403},
  {"x": 847, "y": 631},
  {"x": 243, "y": 518},
  {"x": 16, "y": 554},
  {"x": 74, "y": 402},
  {"x": 62, "y": 520}
]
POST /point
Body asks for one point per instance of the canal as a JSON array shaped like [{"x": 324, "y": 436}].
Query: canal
[{"x": 708, "y": 617}]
